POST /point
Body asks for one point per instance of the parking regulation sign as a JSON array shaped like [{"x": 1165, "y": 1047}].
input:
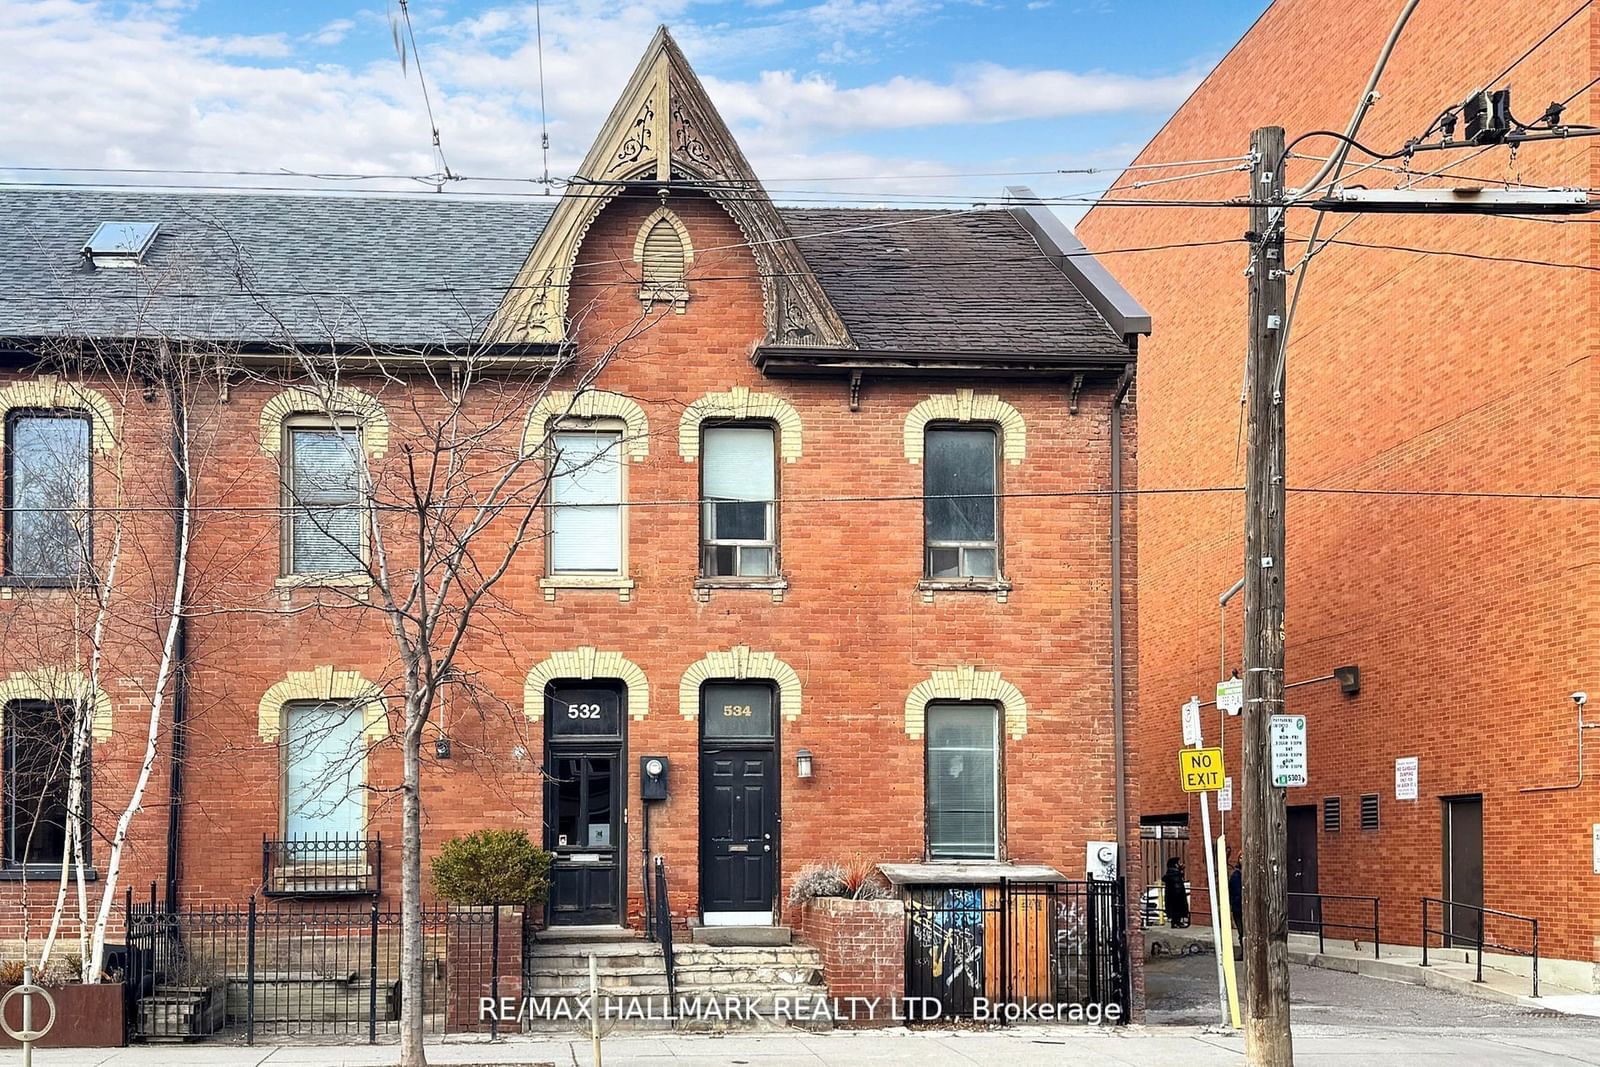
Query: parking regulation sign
[{"x": 1288, "y": 750}]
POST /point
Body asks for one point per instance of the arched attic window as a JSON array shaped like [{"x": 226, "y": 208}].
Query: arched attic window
[{"x": 663, "y": 252}]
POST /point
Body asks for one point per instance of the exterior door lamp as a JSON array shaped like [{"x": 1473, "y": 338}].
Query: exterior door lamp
[{"x": 802, "y": 763}]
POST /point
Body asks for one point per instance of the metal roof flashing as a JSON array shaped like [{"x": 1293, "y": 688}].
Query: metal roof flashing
[{"x": 1125, "y": 314}]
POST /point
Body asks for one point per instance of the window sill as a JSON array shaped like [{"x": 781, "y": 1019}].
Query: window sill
[
  {"x": 11, "y": 584},
  {"x": 621, "y": 583},
  {"x": 45, "y": 872},
  {"x": 999, "y": 588},
  {"x": 777, "y": 586},
  {"x": 342, "y": 581}
]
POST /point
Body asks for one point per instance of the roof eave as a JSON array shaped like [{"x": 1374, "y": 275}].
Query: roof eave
[{"x": 787, "y": 361}]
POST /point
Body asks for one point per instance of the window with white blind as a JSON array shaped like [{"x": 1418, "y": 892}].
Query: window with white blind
[
  {"x": 48, "y": 525},
  {"x": 963, "y": 781},
  {"x": 322, "y": 492},
  {"x": 738, "y": 512},
  {"x": 323, "y": 771},
  {"x": 586, "y": 503},
  {"x": 960, "y": 509}
]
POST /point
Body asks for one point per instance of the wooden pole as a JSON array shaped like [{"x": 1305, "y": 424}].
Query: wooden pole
[{"x": 1264, "y": 876}]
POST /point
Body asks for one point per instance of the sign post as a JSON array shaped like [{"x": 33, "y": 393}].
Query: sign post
[{"x": 1200, "y": 770}]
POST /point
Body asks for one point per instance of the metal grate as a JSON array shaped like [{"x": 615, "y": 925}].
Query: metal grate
[
  {"x": 1332, "y": 814},
  {"x": 1369, "y": 811}
]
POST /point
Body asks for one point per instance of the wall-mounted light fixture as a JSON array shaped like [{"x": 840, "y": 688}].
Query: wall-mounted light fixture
[
  {"x": 802, "y": 763},
  {"x": 1349, "y": 679},
  {"x": 441, "y": 747}
]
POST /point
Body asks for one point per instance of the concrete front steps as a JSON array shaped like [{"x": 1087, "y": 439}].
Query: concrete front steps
[{"x": 719, "y": 987}]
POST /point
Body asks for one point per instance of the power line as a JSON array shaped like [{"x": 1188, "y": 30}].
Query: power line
[
  {"x": 1515, "y": 63},
  {"x": 422, "y": 80},
  {"x": 544, "y": 123}
]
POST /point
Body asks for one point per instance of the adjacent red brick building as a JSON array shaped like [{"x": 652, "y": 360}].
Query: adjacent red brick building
[
  {"x": 1434, "y": 363},
  {"x": 734, "y": 579}
]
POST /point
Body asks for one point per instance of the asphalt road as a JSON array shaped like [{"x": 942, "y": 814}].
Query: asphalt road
[{"x": 1183, "y": 991}]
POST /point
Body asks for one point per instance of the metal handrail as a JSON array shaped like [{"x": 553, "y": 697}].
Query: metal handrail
[
  {"x": 1483, "y": 913},
  {"x": 662, "y": 922},
  {"x": 1323, "y": 923}
]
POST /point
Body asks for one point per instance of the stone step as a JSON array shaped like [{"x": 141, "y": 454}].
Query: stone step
[
  {"x": 740, "y": 935},
  {"x": 796, "y": 955},
  {"x": 586, "y": 934},
  {"x": 601, "y": 950},
  {"x": 720, "y": 977}
]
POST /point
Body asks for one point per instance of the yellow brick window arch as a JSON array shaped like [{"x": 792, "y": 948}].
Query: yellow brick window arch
[
  {"x": 739, "y": 403},
  {"x": 966, "y": 406},
  {"x": 341, "y": 402},
  {"x": 967, "y": 683},
  {"x": 52, "y": 685}
]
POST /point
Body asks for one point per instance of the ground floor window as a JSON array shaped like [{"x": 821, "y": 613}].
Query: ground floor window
[
  {"x": 324, "y": 759},
  {"x": 963, "y": 781},
  {"x": 38, "y": 780}
]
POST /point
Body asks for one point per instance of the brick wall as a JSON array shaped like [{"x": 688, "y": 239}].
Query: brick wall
[
  {"x": 1471, "y": 618},
  {"x": 863, "y": 949}
]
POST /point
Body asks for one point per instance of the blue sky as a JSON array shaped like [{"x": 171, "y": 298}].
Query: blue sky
[{"x": 814, "y": 89}]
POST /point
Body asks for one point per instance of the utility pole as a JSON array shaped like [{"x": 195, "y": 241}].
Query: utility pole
[{"x": 1264, "y": 876}]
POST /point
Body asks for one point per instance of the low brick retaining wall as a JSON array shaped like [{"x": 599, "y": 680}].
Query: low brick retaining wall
[{"x": 863, "y": 949}]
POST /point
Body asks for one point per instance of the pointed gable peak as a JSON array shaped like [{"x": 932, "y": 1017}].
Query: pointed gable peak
[{"x": 665, "y": 131}]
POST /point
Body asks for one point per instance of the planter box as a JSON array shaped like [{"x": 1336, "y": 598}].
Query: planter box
[
  {"x": 863, "y": 948},
  {"x": 87, "y": 1016}
]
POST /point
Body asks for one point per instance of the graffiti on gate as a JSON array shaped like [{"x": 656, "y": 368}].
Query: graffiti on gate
[{"x": 951, "y": 933}]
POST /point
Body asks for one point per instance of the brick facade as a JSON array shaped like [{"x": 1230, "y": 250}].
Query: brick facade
[
  {"x": 1469, "y": 617},
  {"x": 857, "y": 632},
  {"x": 863, "y": 948}
]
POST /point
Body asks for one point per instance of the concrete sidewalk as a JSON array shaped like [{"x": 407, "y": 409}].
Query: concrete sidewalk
[{"x": 1018, "y": 1047}]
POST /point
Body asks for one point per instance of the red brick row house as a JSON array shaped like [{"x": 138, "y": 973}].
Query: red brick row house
[{"x": 826, "y": 552}]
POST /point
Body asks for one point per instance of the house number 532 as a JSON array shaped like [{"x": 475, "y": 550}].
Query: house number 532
[{"x": 583, "y": 711}]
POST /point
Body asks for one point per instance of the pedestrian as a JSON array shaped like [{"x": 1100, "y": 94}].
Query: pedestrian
[
  {"x": 1236, "y": 896},
  {"x": 1177, "y": 893}
]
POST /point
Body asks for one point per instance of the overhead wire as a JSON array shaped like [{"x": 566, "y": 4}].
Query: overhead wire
[{"x": 427, "y": 100}]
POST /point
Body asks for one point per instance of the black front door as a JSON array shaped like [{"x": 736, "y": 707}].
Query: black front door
[
  {"x": 584, "y": 802},
  {"x": 1463, "y": 867},
  {"x": 1304, "y": 911},
  {"x": 738, "y": 805}
]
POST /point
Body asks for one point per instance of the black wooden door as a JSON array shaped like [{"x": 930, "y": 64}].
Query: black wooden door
[
  {"x": 1463, "y": 867},
  {"x": 584, "y": 802},
  {"x": 1304, "y": 911},
  {"x": 738, "y": 829}
]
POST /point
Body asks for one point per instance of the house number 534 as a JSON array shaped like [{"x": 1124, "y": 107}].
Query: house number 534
[{"x": 736, "y": 711}]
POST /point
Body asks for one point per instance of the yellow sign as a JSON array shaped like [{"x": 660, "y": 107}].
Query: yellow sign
[{"x": 1200, "y": 769}]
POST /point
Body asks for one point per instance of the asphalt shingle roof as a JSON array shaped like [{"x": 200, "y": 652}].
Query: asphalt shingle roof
[
  {"x": 417, "y": 271},
  {"x": 933, "y": 281}
]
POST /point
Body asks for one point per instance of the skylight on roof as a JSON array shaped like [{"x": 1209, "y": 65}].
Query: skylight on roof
[{"x": 120, "y": 244}]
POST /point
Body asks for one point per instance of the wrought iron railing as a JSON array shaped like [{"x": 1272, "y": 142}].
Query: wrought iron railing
[
  {"x": 661, "y": 927},
  {"x": 328, "y": 971},
  {"x": 1314, "y": 912},
  {"x": 322, "y": 866},
  {"x": 1451, "y": 935}
]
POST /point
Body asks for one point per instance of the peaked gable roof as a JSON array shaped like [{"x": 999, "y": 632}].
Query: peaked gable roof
[{"x": 665, "y": 130}]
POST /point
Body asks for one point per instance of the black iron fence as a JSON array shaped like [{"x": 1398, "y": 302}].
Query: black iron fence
[
  {"x": 1340, "y": 913},
  {"x": 329, "y": 971},
  {"x": 322, "y": 865},
  {"x": 1466, "y": 926},
  {"x": 996, "y": 951}
]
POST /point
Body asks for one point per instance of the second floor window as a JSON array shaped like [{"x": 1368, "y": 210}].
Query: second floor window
[
  {"x": 38, "y": 778},
  {"x": 960, "y": 511},
  {"x": 738, "y": 490},
  {"x": 586, "y": 499},
  {"x": 322, "y": 492},
  {"x": 48, "y": 528}
]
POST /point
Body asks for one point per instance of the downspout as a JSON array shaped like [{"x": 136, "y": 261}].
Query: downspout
[
  {"x": 1118, "y": 724},
  {"x": 180, "y": 650}
]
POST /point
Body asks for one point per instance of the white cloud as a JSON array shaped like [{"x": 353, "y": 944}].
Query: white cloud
[
  {"x": 333, "y": 32},
  {"x": 162, "y": 97}
]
